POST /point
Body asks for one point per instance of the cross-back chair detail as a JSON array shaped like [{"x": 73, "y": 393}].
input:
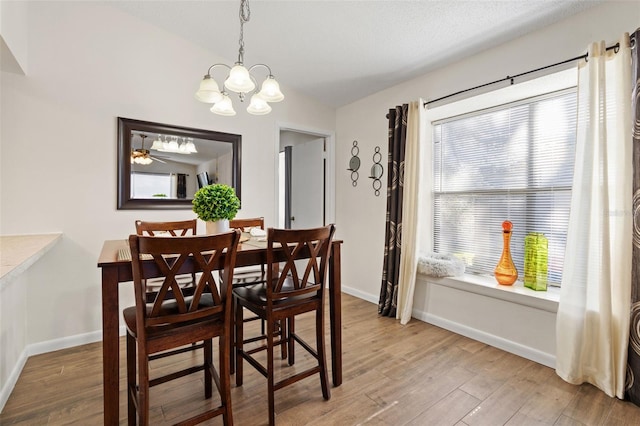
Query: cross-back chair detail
[
  {"x": 187, "y": 305},
  {"x": 168, "y": 326},
  {"x": 168, "y": 229}
]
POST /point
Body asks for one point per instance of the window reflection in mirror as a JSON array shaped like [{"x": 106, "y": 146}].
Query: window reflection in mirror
[{"x": 162, "y": 166}]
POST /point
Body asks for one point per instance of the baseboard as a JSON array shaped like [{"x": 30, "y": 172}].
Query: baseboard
[
  {"x": 360, "y": 294},
  {"x": 63, "y": 343},
  {"x": 490, "y": 339}
]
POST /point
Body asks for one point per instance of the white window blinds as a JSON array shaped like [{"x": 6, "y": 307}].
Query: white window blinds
[{"x": 512, "y": 162}]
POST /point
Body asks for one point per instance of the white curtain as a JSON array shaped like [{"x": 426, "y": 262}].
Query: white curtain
[
  {"x": 592, "y": 325},
  {"x": 410, "y": 213}
]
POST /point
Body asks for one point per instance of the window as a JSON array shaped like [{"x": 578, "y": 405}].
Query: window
[
  {"x": 509, "y": 162},
  {"x": 149, "y": 185}
]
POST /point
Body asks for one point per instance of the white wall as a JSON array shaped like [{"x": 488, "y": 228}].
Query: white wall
[
  {"x": 361, "y": 215},
  {"x": 88, "y": 64}
]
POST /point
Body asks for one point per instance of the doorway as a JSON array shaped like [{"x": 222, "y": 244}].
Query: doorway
[{"x": 305, "y": 178}]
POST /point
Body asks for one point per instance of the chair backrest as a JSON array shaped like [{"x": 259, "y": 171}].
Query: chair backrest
[
  {"x": 177, "y": 228},
  {"x": 168, "y": 257},
  {"x": 245, "y": 224},
  {"x": 304, "y": 277}
]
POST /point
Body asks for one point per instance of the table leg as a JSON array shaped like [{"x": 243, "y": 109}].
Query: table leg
[
  {"x": 335, "y": 312},
  {"x": 110, "y": 345}
]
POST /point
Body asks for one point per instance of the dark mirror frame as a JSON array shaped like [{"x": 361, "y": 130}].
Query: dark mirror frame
[{"x": 127, "y": 125}]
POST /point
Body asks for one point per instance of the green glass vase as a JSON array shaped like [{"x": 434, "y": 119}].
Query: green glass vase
[{"x": 535, "y": 261}]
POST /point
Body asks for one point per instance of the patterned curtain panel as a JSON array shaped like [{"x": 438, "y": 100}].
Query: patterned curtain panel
[
  {"x": 182, "y": 185},
  {"x": 388, "y": 303},
  {"x": 633, "y": 363}
]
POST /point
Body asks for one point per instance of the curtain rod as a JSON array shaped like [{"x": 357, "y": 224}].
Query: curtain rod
[{"x": 615, "y": 47}]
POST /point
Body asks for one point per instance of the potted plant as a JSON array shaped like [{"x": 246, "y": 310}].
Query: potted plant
[{"x": 216, "y": 204}]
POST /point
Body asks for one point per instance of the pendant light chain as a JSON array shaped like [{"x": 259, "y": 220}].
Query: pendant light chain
[{"x": 245, "y": 15}]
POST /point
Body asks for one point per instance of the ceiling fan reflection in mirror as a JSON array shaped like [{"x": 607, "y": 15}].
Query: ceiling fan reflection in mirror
[{"x": 142, "y": 156}]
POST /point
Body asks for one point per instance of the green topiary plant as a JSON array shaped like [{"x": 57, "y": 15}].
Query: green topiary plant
[{"x": 216, "y": 202}]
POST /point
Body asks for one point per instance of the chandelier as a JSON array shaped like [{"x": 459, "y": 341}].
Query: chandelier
[
  {"x": 172, "y": 144},
  {"x": 241, "y": 81}
]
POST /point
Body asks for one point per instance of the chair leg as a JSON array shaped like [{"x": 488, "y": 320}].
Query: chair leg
[
  {"x": 131, "y": 380},
  {"x": 225, "y": 377},
  {"x": 232, "y": 346},
  {"x": 143, "y": 389},
  {"x": 208, "y": 364},
  {"x": 239, "y": 343},
  {"x": 322, "y": 358},
  {"x": 290, "y": 340},
  {"x": 270, "y": 375},
  {"x": 282, "y": 329}
]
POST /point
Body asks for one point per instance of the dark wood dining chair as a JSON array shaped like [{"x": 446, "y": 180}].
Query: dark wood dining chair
[
  {"x": 167, "y": 326},
  {"x": 295, "y": 288},
  {"x": 168, "y": 229}
]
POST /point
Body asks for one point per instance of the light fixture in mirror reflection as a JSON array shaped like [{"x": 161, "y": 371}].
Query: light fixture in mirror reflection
[{"x": 179, "y": 161}]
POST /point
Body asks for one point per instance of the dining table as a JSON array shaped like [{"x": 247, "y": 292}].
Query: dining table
[{"x": 115, "y": 265}]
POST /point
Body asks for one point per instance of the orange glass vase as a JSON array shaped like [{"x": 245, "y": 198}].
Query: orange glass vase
[{"x": 506, "y": 272}]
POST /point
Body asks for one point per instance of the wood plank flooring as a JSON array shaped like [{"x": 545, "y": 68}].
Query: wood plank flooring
[{"x": 416, "y": 374}]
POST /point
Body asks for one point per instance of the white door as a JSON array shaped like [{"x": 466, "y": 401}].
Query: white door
[{"x": 308, "y": 184}]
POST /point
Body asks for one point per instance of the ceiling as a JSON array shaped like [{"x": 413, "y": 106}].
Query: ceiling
[{"x": 341, "y": 51}]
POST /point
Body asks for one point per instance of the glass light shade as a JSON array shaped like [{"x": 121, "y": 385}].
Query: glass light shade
[
  {"x": 239, "y": 80},
  {"x": 157, "y": 144},
  {"x": 224, "y": 107},
  {"x": 173, "y": 145},
  {"x": 258, "y": 106},
  {"x": 208, "y": 92},
  {"x": 270, "y": 90},
  {"x": 142, "y": 160},
  {"x": 191, "y": 147}
]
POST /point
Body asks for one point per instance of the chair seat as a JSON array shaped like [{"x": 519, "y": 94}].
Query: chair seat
[
  {"x": 170, "y": 308},
  {"x": 257, "y": 294}
]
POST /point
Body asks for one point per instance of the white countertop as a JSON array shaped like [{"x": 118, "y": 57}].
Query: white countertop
[{"x": 18, "y": 252}]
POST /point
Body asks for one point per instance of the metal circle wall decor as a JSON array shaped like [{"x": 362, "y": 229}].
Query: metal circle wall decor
[
  {"x": 354, "y": 163},
  {"x": 376, "y": 171}
]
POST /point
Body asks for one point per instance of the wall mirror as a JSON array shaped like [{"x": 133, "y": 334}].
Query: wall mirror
[{"x": 161, "y": 166}]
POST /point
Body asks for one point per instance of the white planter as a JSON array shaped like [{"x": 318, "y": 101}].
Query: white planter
[{"x": 217, "y": 227}]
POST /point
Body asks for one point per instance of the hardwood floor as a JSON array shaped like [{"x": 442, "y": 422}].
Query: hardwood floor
[{"x": 416, "y": 374}]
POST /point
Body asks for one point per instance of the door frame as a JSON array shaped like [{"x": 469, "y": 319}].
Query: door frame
[{"x": 330, "y": 142}]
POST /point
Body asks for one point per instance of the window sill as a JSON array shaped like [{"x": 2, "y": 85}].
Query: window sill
[{"x": 487, "y": 286}]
